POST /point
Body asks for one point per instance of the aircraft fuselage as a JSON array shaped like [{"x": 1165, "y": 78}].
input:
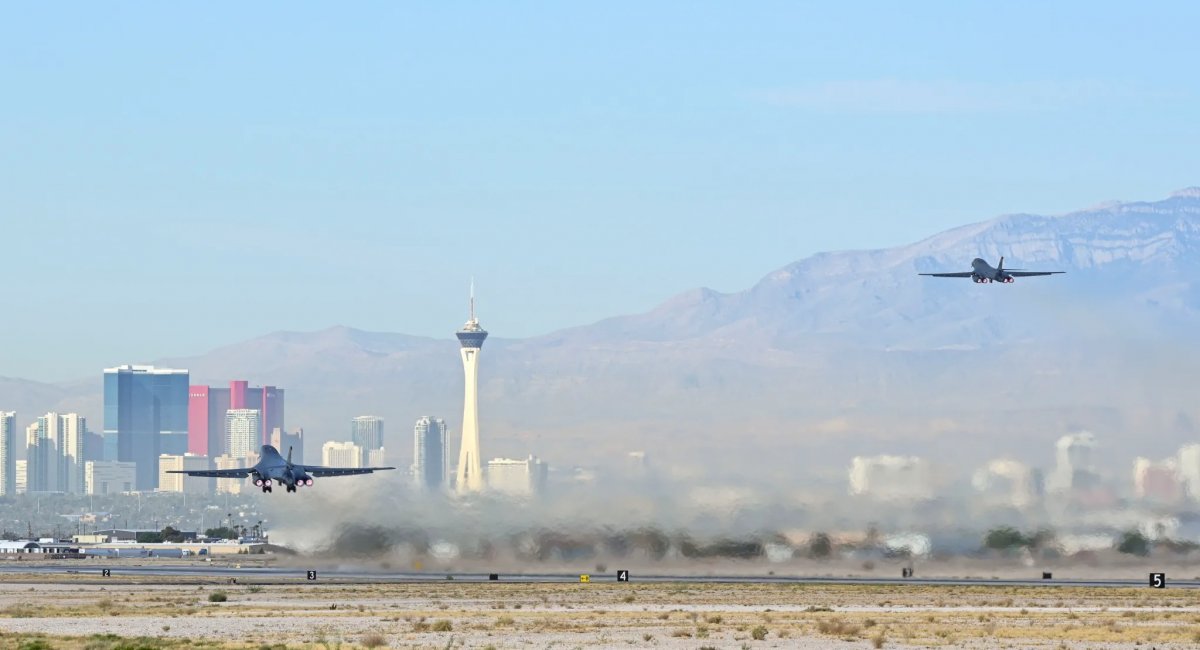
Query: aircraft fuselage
[
  {"x": 984, "y": 272},
  {"x": 274, "y": 467}
]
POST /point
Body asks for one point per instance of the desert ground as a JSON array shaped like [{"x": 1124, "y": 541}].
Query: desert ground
[{"x": 39, "y": 611}]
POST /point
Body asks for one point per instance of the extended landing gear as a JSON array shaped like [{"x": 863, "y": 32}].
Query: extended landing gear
[
  {"x": 266, "y": 487},
  {"x": 291, "y": 488}
]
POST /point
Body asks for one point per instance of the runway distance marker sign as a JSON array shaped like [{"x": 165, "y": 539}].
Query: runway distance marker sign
[
  {"x": 312, "y": 575},
  {"x": 1158, "y": 580},
  {"x": 622, "y": 576}
]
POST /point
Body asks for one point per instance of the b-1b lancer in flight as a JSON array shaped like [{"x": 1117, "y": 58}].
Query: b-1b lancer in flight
[
  {"x": 981, "y": 273},
  {"x": 273, "y": 467}
]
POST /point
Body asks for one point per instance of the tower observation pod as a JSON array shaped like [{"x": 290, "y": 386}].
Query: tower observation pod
[{"x": 471, "y": 336}]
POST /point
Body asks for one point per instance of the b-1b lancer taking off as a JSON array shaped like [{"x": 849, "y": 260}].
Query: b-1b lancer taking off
[
  {"x": 981, "y": 273},
  {"x": 273, "y": 467}
]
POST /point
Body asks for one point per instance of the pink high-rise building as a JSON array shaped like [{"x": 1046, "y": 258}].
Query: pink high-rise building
[
  {"x": 207, "y": 407},
  {"x": 198, "y": 418},
  {"x": 237, "y": 394}
]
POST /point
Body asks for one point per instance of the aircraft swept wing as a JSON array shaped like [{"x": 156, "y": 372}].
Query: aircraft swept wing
[
  {"x": 964, "y": 274},
  {"x": 241, "y": 472},
  {"x": 318, "y": 471}
]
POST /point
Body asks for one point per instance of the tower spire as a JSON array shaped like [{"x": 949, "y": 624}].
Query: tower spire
[{"x": 471, "y": 337}]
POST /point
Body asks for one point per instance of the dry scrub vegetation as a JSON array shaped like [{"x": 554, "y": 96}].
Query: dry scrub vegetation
[{"x": 670, "y": 615}]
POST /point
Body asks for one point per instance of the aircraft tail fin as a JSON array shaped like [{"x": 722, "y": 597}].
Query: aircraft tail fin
[
  {"x": 1001, "y": 266},
  {"x": 289, "y": 455}
]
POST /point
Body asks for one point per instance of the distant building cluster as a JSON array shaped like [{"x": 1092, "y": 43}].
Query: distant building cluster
[
  {"x": 430, "y": 470},
  {"x": 1171, "y": 480},
  {"x": 1004, "y": 482},
  {"x": 156, "y": 424},
  {"x": 258, "y": 411}
]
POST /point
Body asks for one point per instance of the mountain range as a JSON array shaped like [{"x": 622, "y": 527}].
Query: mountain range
[{"x": 836, "y": 354}]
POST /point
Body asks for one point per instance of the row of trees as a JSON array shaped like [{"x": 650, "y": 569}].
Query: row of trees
[
  {"x": 1131, "y": 542},
  {"x": 168, "y": 534},
  {"x": 172, "y": 535},
  {"x": 1007, "y": 538}
]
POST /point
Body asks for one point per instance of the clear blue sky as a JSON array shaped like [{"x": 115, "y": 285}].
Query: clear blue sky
[{"x": 178, "y": 176}]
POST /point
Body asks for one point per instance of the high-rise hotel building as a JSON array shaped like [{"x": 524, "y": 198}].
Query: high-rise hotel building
[
  {"x": 54, "y": 451},
  {"x": 72, "y": 429},
  {"x": 8, "y": 453},
  {"x": 241, "y": 432},
  {"x": 146, "y": 413},
  {"x": 341, "y": 454},
  {"x": 429, "y": 453},
  {"x": 366, "y": 431},
  {"x": 207, "y": 406}
]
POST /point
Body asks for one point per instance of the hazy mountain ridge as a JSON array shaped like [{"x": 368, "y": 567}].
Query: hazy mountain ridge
[{"x": 838, "y": 349}]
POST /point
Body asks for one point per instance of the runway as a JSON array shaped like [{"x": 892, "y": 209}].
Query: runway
[{"x": 292, "y": 575}]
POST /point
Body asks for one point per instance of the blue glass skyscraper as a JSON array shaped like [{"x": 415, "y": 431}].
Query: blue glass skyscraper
[
  {"x": 146, "y": 411},
  {"x": 429, "y": 453}
]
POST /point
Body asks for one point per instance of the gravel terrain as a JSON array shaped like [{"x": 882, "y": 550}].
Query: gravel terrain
[{"x": 178, "y": 613}]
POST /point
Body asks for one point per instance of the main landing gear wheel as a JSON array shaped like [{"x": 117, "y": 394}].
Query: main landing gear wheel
[{"x": 291, "y": 488}]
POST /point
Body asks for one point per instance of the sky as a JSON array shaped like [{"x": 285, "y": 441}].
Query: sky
[{"x": 179, "y": 176}]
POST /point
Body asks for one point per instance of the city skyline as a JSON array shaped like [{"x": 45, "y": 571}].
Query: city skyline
[
  {"x": 207, "y": 406},
  {"x": 1071, "y": 474},
  {"x": 1095, "y": 263}
]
